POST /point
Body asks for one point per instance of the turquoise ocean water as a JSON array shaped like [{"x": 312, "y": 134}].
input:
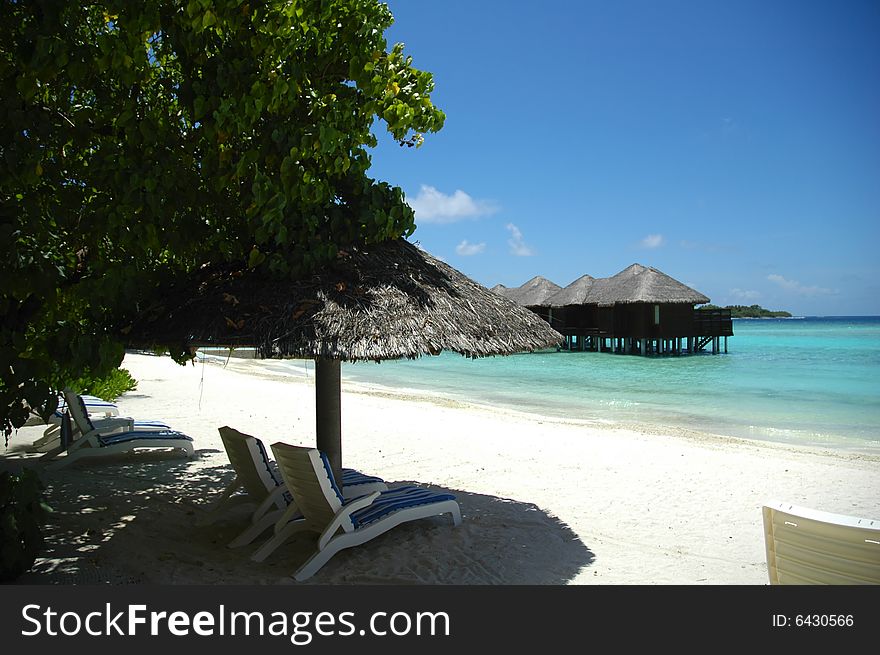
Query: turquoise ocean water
[{"x": 811, "y": 381}]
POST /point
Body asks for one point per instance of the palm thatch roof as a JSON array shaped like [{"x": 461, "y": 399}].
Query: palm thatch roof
[
  {"x": 643, "y": 284},
  {"x": 634, "y": 284},
  {"x": 533, "y": 293},
  {"x": 576, "y": 293},
  {"x": 386, "y": 301}
]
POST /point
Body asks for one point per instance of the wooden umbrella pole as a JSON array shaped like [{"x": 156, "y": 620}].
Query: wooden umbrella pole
[{"x": 328, "y": 415}]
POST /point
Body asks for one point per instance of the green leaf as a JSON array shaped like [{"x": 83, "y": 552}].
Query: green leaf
[
  {"x": 255, "y": 258},
  {"x": 182, "y": 133}
]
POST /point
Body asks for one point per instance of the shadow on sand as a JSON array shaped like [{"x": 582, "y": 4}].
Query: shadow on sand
[{"x": 132, "y": 520}]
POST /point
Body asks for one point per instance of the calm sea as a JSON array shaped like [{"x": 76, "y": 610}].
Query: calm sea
[{"x": 813, "y": 381}]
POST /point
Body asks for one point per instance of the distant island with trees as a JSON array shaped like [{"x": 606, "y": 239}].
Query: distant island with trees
[{"x": 752, "y": 311}]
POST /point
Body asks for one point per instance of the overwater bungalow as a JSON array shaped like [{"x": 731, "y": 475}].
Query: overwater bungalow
[
  {"x": 641, "y": 310},
  {"x": 532, "y": 295}
]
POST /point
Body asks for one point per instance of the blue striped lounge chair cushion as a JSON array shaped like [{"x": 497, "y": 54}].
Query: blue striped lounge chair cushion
[
  {"x": 142, "y": 425},
  {"x": 267, "y": 465},
  {"x": 394, "y": 500},
  {"x": 134, "y": 435},
  {"x": 271, "y": 470},
  {"x": 332, "y": 480},
  {"x": 85, "y": 413},
  {"x": 91, "y": 403},
  {"x": 150, "y": 425},
  {"x": 350, "y": 477}
]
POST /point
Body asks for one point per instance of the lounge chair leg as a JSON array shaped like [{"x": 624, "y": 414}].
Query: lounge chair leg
[
  {"x": 56, "y": 464},
  {"x": 225, "y": 500},
  {"x": 278, "y": 539},
  {"x": 215, "y": 513},
  {"x": 51, "y": 454},
  {"x": 255, "y": 530},
  {"x": 316, "y": 561},
  {"x": 455, "y": 510}
]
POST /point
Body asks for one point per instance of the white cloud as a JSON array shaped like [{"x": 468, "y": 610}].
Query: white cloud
[
  {"x": 745, "y": 294},
  {"x": 517, "y": 245},
  {"x": 433, "y": 206},
  {"x": 652, "y": 241},
  {"x": 796, "y": 287},
  {"x": 466, "y": 249}
]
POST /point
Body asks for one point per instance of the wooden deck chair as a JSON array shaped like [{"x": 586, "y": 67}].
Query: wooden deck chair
[
  {"x": 340, "y": 523},
  {"x": 808, "y": 546},
  {"x": 104, "y": 445},
  {"x": 257, "y": 481}
]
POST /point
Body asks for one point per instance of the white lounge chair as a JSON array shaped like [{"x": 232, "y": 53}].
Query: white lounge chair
[
  {"x": 257, "y": 481},
  {"x": 85, "y": 426},
  {"x": 341, "y": 523},
  {"x": 808, "y": 546},
  {"x": 95, "y": 444},
  {"x": 97, "y": 409}
]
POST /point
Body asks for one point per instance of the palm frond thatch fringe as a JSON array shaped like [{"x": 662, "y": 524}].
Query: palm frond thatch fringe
[{"x": 386, "y": 301}]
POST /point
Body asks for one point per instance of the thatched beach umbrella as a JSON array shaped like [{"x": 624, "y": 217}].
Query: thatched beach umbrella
[{"x": 386, "y": 301}]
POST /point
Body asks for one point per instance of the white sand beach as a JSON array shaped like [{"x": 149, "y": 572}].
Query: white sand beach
[{"x": 544, "y": 501}]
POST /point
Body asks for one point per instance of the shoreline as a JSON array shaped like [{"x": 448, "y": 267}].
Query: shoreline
[
  {"x": 544, "y": 501},
  {"x": 847, "y": 447}
]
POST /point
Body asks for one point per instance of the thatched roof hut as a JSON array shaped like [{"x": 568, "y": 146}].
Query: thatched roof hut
[
  {"x": 639, "y": 308},
  {"x": 634, "y": 284},
  {"x": 387, "y": 301},
  {"x": 643, "y": 284},
  {"x": 576, "y": 293},
  {"x": 533, "y": 293}
]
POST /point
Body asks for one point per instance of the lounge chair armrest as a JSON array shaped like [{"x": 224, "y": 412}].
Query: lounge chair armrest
[
  {"x": 268, "y": 501},
  {"x": 110, "y": 424},
  {"x": 291, "y": 512},
  {"x": 344, "y": 513}
]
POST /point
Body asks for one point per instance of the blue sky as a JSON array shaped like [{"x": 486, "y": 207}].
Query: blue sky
[{"x": 733, "y": 145}]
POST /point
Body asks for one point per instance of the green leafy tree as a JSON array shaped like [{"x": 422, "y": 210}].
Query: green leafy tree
[
  {"x": 141, "y": 138},
  {"x": 22, "y": 515}
]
